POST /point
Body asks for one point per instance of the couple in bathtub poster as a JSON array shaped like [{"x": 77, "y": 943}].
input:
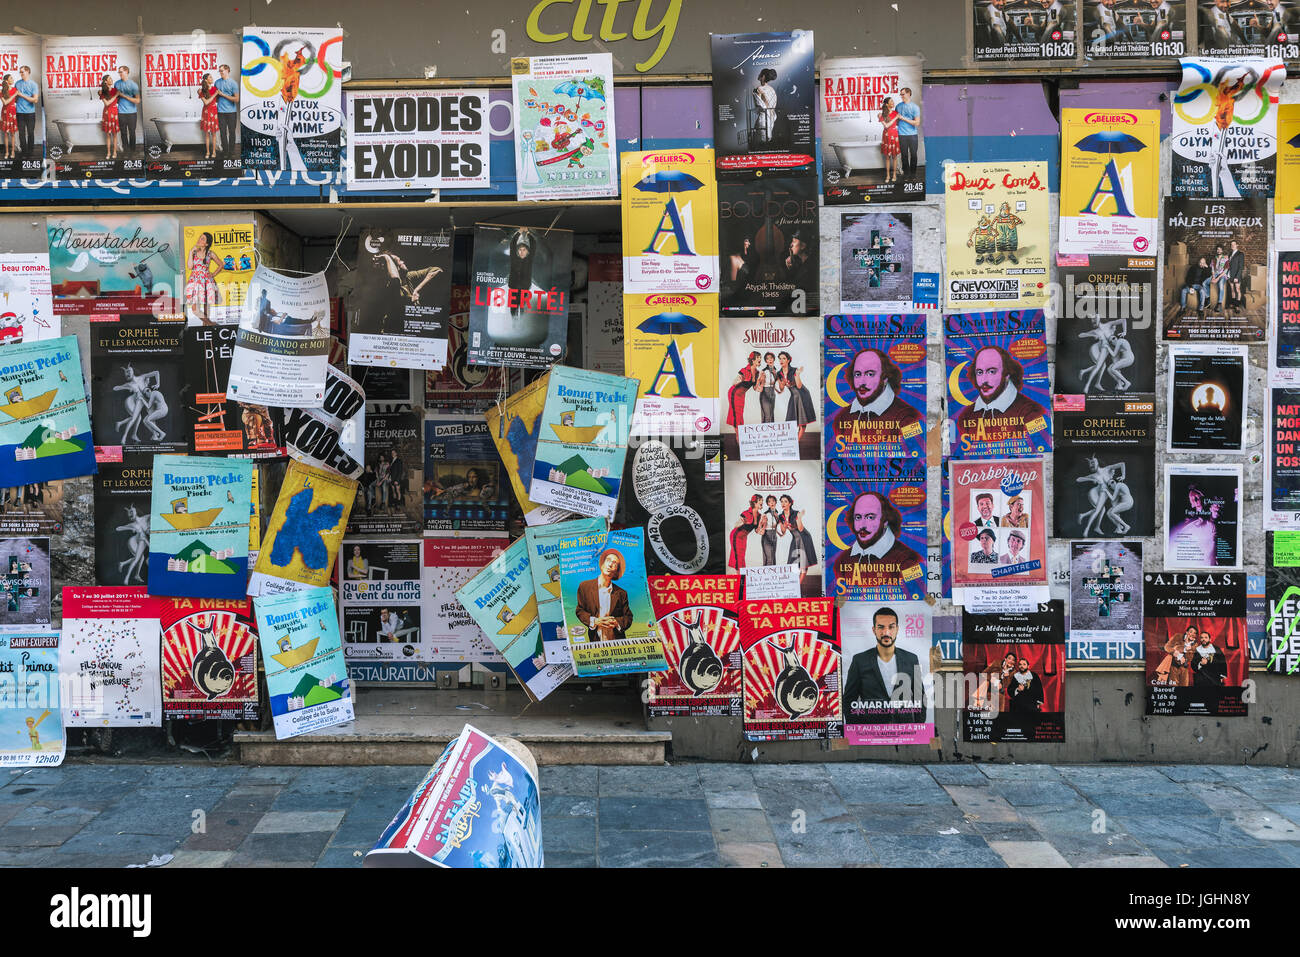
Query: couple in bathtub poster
[
  {"x": 872, "y": 146},
  {"x": 191, "y": 119}
]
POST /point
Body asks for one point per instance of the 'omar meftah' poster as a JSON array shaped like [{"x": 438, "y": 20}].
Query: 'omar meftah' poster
[
  {"x": 874, "y": 398},
  {"x": 209, "y": 659},
  {"x": 998, "y": 393},
  {"x": 764, "y": 103},
  {"x": 1197, "y": 653},
  {"x": 997, "y": 250},
  {"x": 671, "y": 348},
  {"x": 1015, "y": 675},
  {"x": 191, "y": 104},
  {"x": 1224, "y": 134},
  {"x": 45, "y": 426},
  {"x": 670, "y": 222},
  {"x": 768, "y": 247},
  {"x": 872, "y": 147},
  {"x": 1024, "y": 29},
  {"x": 879, "y": 639},
  {"x": 31, "y": 717},
  {"x": 92, "y": 98},
  {"x": 283, "y": 346},
  {"x": 1110, "y": 180},
  {"x": 791, "y": 662},
  {"x": 21, "y": 57},
  {"x": 1216, "y": 269},
  {"x": 291, "y": 98},
  {"x": 564, "y": 126},
  {"x": 696, "y": 617}
]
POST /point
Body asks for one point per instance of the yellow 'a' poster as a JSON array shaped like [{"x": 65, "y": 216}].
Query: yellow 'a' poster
[
  {"x": 1286, "y": 200},
  {"x": 1110, "y": 181},
  {"x": 671, "y": 345},
  {"x": 670, "y": 222}
]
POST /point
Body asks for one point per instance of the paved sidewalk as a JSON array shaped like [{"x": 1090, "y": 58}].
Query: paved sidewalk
[{"x": 702, "y": 815}]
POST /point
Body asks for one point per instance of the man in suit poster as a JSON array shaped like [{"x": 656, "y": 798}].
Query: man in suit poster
[{"x": 886, "y": 654}]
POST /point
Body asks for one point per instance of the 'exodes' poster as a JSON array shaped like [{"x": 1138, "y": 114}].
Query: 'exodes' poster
[
  {"x": 564, "y": 126},
  {"x": 209, "y": 659},
  {"x": 997, "y": 235},
  {"x": 1110, "y": 181},
  {"x": 198, "y": 540},
  {"x": 1105, "y": 601},
  {"x": 872, "y": 148},
  {"x": 21, "y": 56},
  {"x": 1135, "y": 29},
  {"x": 1216, "y": 270},
  {"x": 888, "y": 694},
  {"x": 1015, "y": 675},
  {"x": 283, "y": 345},
  {"x": 1024, "y": 30},
  {"x": 671, "y": 348},
  {"x": 519, "y": 296},
  {"x": 31, "y": 717},
  {"x": 45, "y": 428},
  {"x": 696, "y": 617},
  {"x": 306, "y": 677},
  {"x": 670, "y": 222},
  {"x": 769, "y": 250},
  {"x": 998, "y": 399},
  {"x": 1224, "y": 134},
  {"x": 791, "y": 662},
  {"x": 418, "y": 139},
  {"x": 1197, "y": 655},
  {"x": 291, "y": 98},
  {"x": 874, "y": 397},
  {"x": 400, "y": 305},
  {"x": 110, "y": 653},
  {"x": 875, "y": 529},
  {"x": 764, "y": 109},
  {"x": 191, "y": 105}
]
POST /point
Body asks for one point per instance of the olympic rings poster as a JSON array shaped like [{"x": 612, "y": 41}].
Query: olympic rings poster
[
  {"x": 291, "y": 98},
  {"x": 1224, "y": 131}
]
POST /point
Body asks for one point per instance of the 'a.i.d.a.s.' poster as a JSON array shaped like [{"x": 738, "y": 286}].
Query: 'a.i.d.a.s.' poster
[
  {"x": 1194, "y": 631},
  {"x": 291, "y": 98},
  {"x": 886, "y": 653}
]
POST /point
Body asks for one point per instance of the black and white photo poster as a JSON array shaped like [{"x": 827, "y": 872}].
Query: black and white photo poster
[{"x": 400, "y": 307}]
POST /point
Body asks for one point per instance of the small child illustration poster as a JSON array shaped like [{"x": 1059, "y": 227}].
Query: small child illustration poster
[
  {"x": 304, "y": 532},
  {"x": 198, "y": 529},
  {"x": 306, "y": 678},
  {"x": 44, "y": 425},
  {"x": 31, "y": 721}
]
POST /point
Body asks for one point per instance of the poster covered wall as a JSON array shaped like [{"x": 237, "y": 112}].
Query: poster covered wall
[
  {"x": 871, "y": 118},
  {"x": 190, "y": 128},
  {"x": 1110, "y": 180},
  {"x": 291, "y": 98}
]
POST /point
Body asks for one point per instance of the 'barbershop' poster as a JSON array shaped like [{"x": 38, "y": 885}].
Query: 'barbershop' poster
[
  {"x": 764, "y": 109},
  {"x": 1224, "y": 135},
  {"x": 93, "y": 92},
  {"x": 1110, "y": 180},
  {"x": 874, "y": 386},
  {"x": 1216, "y": 269},
  {"x": 999, "y": 523},
  {"x": 564, "y": 126},
  {"x": 191, "y": 105},
  {"x": 291, "y": 98},
  {"x": 879, "y": 640},
  {"x": 872, "y": 148},
  {"x": 791, "y": 669},
  {"x": 1024, "y": 29},
  {"x": 1197, "y": 655},
  {"x": 283, "y": 346},
  {"x": 670, "y": 222},
  {"x": 997, "y": 235},
  {"x": 696, "y": 617},
  {"x": 1015, "y": 675}
]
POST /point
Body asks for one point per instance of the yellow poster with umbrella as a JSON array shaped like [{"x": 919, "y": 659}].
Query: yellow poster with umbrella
[
  {"x": 1286, "y": 200},
  {"x": 1110, "y": 181},
  {"x": 671, "y": 345},
  {"x": 670, "y": 222}
]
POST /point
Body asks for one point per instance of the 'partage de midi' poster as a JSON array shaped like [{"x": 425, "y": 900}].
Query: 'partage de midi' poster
[
  {"x": 291, "y": 98},
  {"x": 1216, "y": 270},
  {"x": 45, "y": 428},
  {"x": 670, "y": 222},
  {"x": 304, "y": 531},
  {"x": 998, "y": 387},
  {"x": 209, "y": 659},
  {"x": 696, "y": 617},
  {"x": 879, "y": 639},
  {"x": 764, "y": 103},
  {"x": 110, "y": 652},
  {"x": 769, "y": 254},
  {"x": 997, "y": 235},
  {"x": 31, "y": 717},
  {"x": 399, "y": 306},
  {"x": 1224, "y": 127},
  {"x": 519, "y": 296},
  {"x": 283, "y": 345},
  {"x": 184, "y": 112},
  {"x": 867, "y": 105},
  {"x": 874, "y": 397},
  {"x": 791, "y": 662},
  {"x": 564, "y": 126},
  {"x": 1110, "y": 181},
  {"x": 1015, "y": 667},
  {"x": 306, "y": 677},
  {"x": 1197, "y": 654}
]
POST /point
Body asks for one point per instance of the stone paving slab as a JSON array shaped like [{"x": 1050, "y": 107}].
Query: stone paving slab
[{"x": 857, "y": 814}]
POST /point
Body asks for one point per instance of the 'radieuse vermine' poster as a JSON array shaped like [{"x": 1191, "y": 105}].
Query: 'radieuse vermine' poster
[
  {"x": 1196, "y": 649},
  {"x": 191, "y": 105}
]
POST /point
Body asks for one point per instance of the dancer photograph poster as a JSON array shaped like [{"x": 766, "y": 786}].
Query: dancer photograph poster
[
  {"x": 1197, "y": 654},
  {"x": 1224, "y": 128},
  {"x": 21, "y": 56},
  {"x": 191, "y": 105},
  {"x": 1014, "y": 664},
  {"x": 1024, "y": 30},
  {"x": 768, "y": 247},
  {"x": 871, "y": 118},
  {"x": 764, "y": 103},
  {"x": 1202, "y": 516},
  {"x": 397, "y": 313},
  {"x": 519, "y": 296},
  {"x": 791, "y": 661},
  {"x": 291, "y": 98},
  {"x": 1216, "y": 270},
  {"x": 888, "y": 689},
  {"x": 1105, "y": 468},
  {"x": 1105, "y": 601},
  {"x": 1110, "y": 181},
  {"x": 696, "y": 618},
  {"x": 282, "y": 349},
  {"x": 1135, "y": 29},
  {"x": 670, "y": 222},
  {"x": 564, "y": 126},
  {"x": 123, "y": 500},
  {"x": 92, "y": 92},
  {"x": 1105, "y": 328},
  {"x": 997, "y": 235}
]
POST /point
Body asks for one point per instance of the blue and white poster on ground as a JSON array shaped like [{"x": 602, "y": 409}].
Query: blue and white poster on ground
[
  {"x": 306, "y": 677},
  {"x": 31, "y": 723},
  {"x": 198, "y": 526},
  {"x": 44, "y": 425}
]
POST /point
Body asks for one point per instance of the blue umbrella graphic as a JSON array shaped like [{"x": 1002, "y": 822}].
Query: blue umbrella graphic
[
  {"x": 670, "y": 324},
  {"x": 1110, "y": 141},
  {"x": 668, "y": 181},
  {"x": 592, "y": 88}
]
